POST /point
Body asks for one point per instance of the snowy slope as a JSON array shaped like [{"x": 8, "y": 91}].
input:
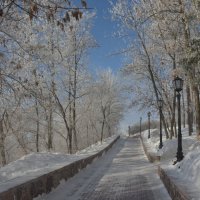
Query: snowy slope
[
  {"x": 36, "y": 164},
  {"x": 188, "y": 170},
  {"x": 168, "y": 152}
]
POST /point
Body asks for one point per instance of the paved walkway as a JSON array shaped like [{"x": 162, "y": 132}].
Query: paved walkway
[{"x": 123, "y": 173}]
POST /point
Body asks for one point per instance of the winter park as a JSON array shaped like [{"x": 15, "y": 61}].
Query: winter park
[{"x": 99, "y": 100}]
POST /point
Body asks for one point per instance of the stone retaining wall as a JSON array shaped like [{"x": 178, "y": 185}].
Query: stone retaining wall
[
  {"x": 150, "y": 157},
  {"x": 174, "y": 191},
  {"x": 45, "y": 183}
]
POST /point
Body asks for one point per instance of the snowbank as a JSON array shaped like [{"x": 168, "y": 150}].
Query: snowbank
[
  {"x": 36, "y": 164},
  {"x": 188, "y": 170},
  {"x": 168, "y": 152}
]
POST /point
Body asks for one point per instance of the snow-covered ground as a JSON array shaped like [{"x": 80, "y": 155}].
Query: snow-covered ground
[
  {"x": 36, "y": 164},
  {"x": 188, "y": 170},
  {"x": 168, "y": 152}
]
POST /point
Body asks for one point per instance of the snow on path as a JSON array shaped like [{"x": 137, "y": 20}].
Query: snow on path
[{"x": 122, "y": 173}]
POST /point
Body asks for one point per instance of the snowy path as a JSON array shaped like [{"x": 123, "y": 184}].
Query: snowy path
[{"x": 123, "y": 173}]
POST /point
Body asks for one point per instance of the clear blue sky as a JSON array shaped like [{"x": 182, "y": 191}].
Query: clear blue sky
[{"x": 103, "y": 31}]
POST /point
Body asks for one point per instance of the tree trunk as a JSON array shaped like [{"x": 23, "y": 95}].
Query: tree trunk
[
  {"x": 103, "y": 122},
  {"x": 183, "y": 110},
  {"x": 50, "y": 114},
  {"x": 191, "y": 75},
  {"x": 87, "y": 136},
  {"x": 74, "y": 103},
  {"x": 2, "y": 146},
  {"x": 37, "y": 125},
  {"x": 165, "y": 126},
  {"x": 70, "y": 130},
  {"x": 70, "y": 112},
  {"x": 173, "y": 116},
  {"x": 109, "y": 131},
  {"x": 50, "y": 130},
  {"x": 70, "y": 141},
  {"x": 173, "y": 108},
  {"x": 189, "y": 111},
  {"x": 197, "y": 105},
  {"x": 102, "y": 130}
]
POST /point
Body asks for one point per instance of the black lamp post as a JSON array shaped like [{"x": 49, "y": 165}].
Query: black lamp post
[
  {"x": 149, "y": 115},
  {"x": 160, "y": 105},
  {"x": 178, "y": 86},
  {"x": 140, "y": 125}
]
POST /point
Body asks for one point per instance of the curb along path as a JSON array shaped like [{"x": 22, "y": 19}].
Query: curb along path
[
  {"x": 151, "y": 158},
  {"x": 176, "y": 187},
  {"x": 173, "y": 184},
  {"x": 28, "y": 187},
  {"x": 123, "y": 173}
]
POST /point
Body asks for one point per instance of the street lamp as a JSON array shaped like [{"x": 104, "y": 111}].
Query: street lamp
[
  {"x": 160, "y": 105},
  {"x": 149, "y": 115},
  {"x": 178, "y": 86}
]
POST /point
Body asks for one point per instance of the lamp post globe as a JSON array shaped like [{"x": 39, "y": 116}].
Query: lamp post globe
[{"x": 178, "y": 86}]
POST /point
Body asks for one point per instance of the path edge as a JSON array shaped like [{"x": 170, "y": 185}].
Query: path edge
[
  {"x": 174, "y": 191},
  {"x": 46, "y": 182},
  {"x": 150, "y": 157}
]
